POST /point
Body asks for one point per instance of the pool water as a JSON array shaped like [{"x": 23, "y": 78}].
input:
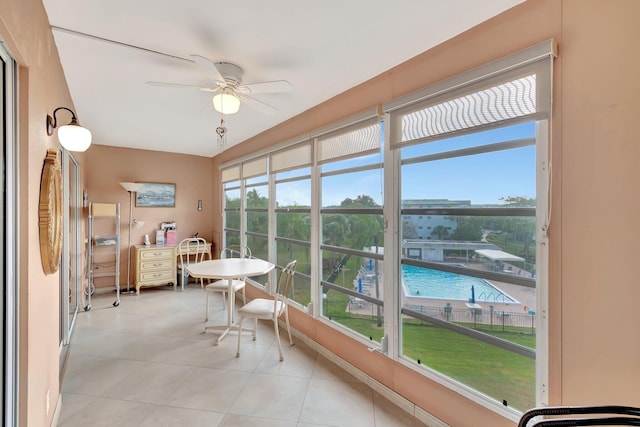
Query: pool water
[{"x": 427, "y": 283}]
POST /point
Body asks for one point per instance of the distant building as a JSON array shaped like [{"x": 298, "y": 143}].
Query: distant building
[
  {"x": 435, "y": 250},
  {"x": 422, "y": 226}
]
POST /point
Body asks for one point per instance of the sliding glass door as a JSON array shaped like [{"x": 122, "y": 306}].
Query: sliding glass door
[
  {"x": 8, "y": 232},
  {"x": 70, "y": 272}
]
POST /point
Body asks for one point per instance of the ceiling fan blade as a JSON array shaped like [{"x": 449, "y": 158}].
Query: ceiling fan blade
[
  {"x": 183, "y": 86},
  {"x": 209, "y": 68},
  {"x": 268, "y": 87},
  {"x": 260, "y": 106}
]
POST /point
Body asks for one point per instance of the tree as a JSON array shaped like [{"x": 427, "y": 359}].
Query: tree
[
  {"x": 335, "y": 229},
  {"x": 293, "y": 225},
  {"x": 362, "y": 201},
  {"x": 254, "y": 200},
  {"x": 467, "y": 230},
  {"x": 521, "y": 229},
  {"x": 441, "y": 232},
  {"x": 518, "y": 201}
]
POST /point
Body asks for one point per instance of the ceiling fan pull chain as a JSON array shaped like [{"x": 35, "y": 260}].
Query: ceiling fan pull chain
[{"x": 222, "y": 134}]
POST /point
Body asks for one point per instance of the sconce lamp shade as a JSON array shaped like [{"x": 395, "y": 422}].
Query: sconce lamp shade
[
  {"x": 131, "y": 186},
  {"x": 226, "y": 102},
  {"x": 72, "y": 136}
]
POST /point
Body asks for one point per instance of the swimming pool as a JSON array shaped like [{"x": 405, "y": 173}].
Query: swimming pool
[{"x": 427, "y": 283}]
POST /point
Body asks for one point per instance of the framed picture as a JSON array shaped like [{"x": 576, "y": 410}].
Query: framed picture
[{"x": 156, "y": 195}]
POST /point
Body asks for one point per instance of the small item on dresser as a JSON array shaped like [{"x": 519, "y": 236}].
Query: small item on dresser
[
  {"x": 147, "y": 242},
  {"x": 172, "y": 237},
  {"x": 160, "y": 237},
  {"x": 168, "y": 225}
]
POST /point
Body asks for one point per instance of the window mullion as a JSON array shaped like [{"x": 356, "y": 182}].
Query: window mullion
[
  {"x": 392, "y": 281},
  {"x": 315, "y": 238},
  {"x": 272, "y": 232}
]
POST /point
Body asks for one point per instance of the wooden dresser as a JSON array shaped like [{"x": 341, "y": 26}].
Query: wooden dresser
[{"x": 154, "y": 265}]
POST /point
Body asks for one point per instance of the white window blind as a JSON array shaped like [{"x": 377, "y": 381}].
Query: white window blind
[
  {"x": 231, "y": 174},
  {"x": 513, "y": 89},
  {"x": 254, "y": 167},
  {"x": 509, "y": 100},
  {"x": 358, "y": 139},
  {"x": 291, "y": 158}
]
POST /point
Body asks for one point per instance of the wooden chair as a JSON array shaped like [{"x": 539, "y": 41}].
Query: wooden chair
[
  {"x": 190, "y": 251},
  {"x": 222, "y": 286},
  {"x": 270, "y": 309}
]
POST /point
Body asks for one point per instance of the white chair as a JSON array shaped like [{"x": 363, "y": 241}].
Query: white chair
[
  {"x": 190, "y": 251},
  {"x": 270, "y": 309},
  {"x": 222, "y": 286}
]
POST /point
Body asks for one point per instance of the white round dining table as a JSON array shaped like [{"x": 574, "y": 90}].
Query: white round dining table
[{"x": 228, "y": 269}]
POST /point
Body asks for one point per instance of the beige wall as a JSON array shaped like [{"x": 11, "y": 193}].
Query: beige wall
[
  {"x": 593, "y": 291},
  {"x": 109, "y": 166}
]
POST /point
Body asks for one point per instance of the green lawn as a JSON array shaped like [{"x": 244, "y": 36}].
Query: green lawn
[{"x": 498, "y": 373}]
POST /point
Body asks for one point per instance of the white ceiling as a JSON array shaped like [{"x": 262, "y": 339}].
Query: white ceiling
[{"x": 321, "y": 47}]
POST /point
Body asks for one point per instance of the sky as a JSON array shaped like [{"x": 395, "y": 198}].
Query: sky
[{"x": 482, "y": 179}]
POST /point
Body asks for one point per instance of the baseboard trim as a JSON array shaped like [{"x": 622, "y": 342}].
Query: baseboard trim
[{"x": 404, "y": 404}]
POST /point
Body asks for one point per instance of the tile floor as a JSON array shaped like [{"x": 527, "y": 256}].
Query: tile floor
[{"x": 149, "y": 363}]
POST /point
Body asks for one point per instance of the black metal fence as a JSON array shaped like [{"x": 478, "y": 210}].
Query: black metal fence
[{"x": 481, "y": 318}]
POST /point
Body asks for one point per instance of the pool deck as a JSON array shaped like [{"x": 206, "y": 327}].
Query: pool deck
[{"x": 526, "y": 297}]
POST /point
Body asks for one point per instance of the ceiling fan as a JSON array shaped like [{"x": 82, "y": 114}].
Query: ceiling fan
[{"x": 228, "y": 87}]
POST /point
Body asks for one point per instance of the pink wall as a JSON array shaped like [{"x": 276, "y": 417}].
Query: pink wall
[
  {"x": 42, "y": 88},
  {"x": 598, "y": 250},
  {"x": 593, "y": 292},
  {"x": 109, "y": 166}
]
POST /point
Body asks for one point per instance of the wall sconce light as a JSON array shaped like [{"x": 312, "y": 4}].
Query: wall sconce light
[
  {"x": 72, "y": 136},
  {"x": 199, "y": 205},
  {"x": 138, "y": 222}
]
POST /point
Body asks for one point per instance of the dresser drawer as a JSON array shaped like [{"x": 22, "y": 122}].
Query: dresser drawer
[
  {"x": 167, "y": 253},
  {"x": 158, "y": 264},
  {"x": 154, "y": 276}
]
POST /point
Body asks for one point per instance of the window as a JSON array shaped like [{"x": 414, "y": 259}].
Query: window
[
  {"x": 231, "y": 204},
  {"x": 478, "y": 279},
  {"x": 256, "y": 210},
  {"x": 477, "y": 145},
  {"x": 351, "y": 228},
  {"x": 469, "y": 207},
  {"x": 232, "y": 213},
  {"x": 292, "y": 172}
]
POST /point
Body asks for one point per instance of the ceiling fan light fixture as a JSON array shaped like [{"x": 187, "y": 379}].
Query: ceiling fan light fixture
[{"x": 226, "y": 102}]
